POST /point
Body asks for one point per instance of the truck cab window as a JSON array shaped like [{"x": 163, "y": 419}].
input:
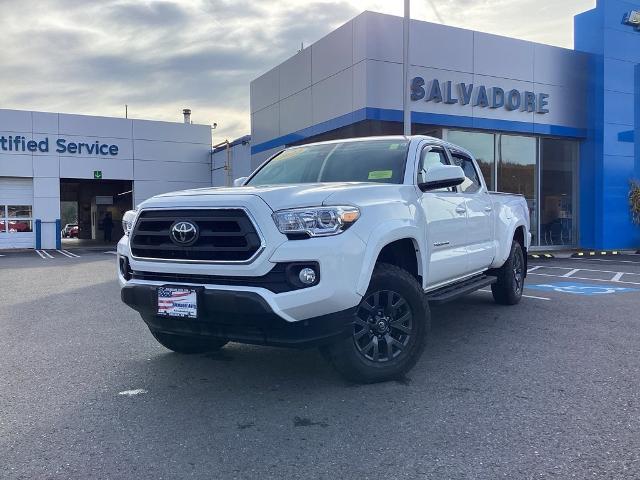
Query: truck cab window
[
  {"x": 432, "y": 156},
  {"x": 472, "y": 182}
]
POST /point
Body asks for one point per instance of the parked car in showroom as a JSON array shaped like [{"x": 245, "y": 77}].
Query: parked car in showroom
[
  {"x": 69, "y": 230},
  {"x": 340, "y": 245}
]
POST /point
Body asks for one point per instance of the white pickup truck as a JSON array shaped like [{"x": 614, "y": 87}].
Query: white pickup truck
[{"x": 340, "y": 245}]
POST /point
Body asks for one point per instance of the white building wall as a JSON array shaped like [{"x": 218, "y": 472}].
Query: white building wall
[
  {"x": 157, "y": 156},
  {"x": 360, "y": 65}
]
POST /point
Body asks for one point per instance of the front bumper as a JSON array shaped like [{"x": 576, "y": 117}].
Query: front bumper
[
  {"x": 339, "y": 258},
  {"x": 239, "y": 316}
]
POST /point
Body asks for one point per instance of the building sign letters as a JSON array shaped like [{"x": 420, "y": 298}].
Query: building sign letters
[
  {"x": 478, "y": 95},
  {"x": 18, "y": 143}
]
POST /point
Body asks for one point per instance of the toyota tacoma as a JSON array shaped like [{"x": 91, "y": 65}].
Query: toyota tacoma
[{"x": 341, "y": 245}]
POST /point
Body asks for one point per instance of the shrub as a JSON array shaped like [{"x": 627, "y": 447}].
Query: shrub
[{"x": 634, "y": 201}]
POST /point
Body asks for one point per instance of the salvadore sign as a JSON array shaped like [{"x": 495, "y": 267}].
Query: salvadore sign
[
  {"x": 451, "y": 93},
  {"x": 18, "y": 143}
]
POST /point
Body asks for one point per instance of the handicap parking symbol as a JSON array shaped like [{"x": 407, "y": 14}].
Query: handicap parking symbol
[{"x": 581, "y": 288}]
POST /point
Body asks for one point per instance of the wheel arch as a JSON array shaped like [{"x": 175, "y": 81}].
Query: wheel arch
[
  {"x": 401, "y": 247},
  {"x": 518, "y": 231}
]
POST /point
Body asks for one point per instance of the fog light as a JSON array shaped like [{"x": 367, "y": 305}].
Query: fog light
[{"x": 307, "y": 276}]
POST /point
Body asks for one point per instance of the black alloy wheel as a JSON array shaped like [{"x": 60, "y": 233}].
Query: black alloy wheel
[{"x": 383, "y": 326}]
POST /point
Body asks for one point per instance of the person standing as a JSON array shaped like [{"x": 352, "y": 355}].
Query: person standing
[{"x": 107, "y": 226}]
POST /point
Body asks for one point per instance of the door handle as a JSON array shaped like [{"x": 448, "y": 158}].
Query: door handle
[{"x": 461, "y": 210}]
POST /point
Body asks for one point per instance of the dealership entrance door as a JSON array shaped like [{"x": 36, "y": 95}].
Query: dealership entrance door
[{"x": 96, "y": 207}]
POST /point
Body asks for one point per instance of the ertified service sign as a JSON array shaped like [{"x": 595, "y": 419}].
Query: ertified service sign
[{"x": 18, "y": 143}]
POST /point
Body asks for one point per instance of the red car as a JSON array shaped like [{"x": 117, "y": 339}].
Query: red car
[{"x": 20, "y": 226}]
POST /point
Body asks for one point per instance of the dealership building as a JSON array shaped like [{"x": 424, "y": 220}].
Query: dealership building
[
  {"x": 98, "y": 166},
  {"x": 559, "y": 126}
]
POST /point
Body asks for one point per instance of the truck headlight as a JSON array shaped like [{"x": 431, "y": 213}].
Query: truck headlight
[
  {"x": 316, "y": 221},
  {"x": 127, "y": 221}
]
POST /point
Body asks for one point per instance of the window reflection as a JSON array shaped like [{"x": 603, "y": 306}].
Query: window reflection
[
  {"x": 558, "y": 159},
  {"x": 517, "y": 171},
  {"x": 482, "y": 147},
  {"x": 19, "y": 211},
  {"x": 16, "y": 219},
  {"x": 19, "y": 226}
]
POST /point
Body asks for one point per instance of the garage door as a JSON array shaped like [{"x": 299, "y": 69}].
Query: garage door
[{"x": 16, "y": 213}]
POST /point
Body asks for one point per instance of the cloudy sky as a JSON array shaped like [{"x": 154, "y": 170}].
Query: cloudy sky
[{"x": 158, "y": 56}]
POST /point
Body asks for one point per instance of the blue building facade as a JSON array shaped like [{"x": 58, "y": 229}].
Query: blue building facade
[
  {"x": 558, "y": 126},
  {"x": 610, "y": 155}
]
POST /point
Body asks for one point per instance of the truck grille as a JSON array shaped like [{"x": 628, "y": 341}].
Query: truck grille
[{"x": 224, "y": 235}]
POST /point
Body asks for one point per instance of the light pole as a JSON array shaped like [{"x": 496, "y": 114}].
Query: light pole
[{"x": 406, "y": 108}]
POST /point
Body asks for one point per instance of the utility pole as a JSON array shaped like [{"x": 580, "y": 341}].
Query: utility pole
[{"x": 406, "y": 107}]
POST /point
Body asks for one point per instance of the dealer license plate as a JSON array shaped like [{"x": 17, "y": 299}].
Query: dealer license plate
[{"x": 178, "y": 302}]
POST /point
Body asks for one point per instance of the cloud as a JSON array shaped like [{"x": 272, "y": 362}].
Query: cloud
[
  {"x": 158, "y": 56},
  {"x": 148, "y": 15}
]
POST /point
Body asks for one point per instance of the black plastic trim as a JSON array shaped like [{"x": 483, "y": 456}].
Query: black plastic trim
[
  {"x": 225, "y": 235},
  {"x": 243, "y": 317},
  {"x": 281, "y": 278},
  {"x": 460, "y": 289}
]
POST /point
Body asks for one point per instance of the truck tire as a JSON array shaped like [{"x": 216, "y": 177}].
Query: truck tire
[
  {"x": 390, "y": 331},
  {"x": 188, "y": 345},
  {"x": 508, "y": 289}
]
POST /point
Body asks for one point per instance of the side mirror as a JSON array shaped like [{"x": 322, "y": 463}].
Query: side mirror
[
  {"x": 441, "y": 176},
  {"x": 238, "y": 182}
]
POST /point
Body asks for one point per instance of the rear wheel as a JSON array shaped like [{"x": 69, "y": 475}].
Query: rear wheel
[
  {"x": 389, "y": 331},
  {"x": 187, "y": 345},
  {"x": 508, "y": 289}
]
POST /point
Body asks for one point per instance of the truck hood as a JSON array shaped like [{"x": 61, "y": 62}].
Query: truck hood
[{"x": 279, "y": 197}]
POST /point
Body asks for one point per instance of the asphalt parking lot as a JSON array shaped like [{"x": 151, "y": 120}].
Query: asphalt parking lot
[{"x": 546, "y": 389}]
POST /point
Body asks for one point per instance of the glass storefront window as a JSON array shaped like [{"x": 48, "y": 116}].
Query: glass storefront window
[
  {"x": 21, "y": 226},
  {"x": 517, "y": 159},
  {"x": 482, "y": 146},
  {"x": 19, "y": 211},
  {"x": 543, "y": 170},
  {"x": 558, "y": 166},
  {"x": 16, "y": 219}
]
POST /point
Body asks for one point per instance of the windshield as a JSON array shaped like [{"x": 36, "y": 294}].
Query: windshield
[{"x": 380, "y": 161}]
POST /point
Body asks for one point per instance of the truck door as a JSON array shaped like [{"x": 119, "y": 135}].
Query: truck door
[
  {"x": 480, "y": 236},
  {"x": 446, "y": 225}
]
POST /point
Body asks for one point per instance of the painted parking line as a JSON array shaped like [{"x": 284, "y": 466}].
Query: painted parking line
[
  {"x": 584, "y": 289},
  {"x": 111, "y": 252},
  {"x": 572, "y": 272},
  {"x": 44, "y": 254},
  {"x": 606, "y": 260},
  {"x": 523, "y": 296},
  {"x": 627, "y": 278},
  {"x": 617, "y": 277},
  {"x": 588, "y": 279},
  {"x": 66, "y": 253}
]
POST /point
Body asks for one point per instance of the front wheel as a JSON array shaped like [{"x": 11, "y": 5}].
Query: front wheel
[
  {"x": 187, "y": 345},
  {"x": 389, "y": 332},
  {"x": 508, "y": 289}
]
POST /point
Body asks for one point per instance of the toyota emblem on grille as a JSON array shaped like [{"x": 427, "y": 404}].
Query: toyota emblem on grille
[{"x": 184, "y": 233}]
